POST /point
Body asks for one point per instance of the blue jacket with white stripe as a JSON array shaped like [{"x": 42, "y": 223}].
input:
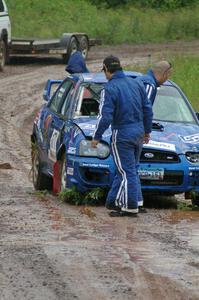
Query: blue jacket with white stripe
[
  {"x": 151, "y": 85},
  {"x": 76, "y": 64},
  {"x": 124, "y": 105}
]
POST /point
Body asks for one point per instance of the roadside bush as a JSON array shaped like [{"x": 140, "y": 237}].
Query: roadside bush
[{"x": 168, "y": 4}]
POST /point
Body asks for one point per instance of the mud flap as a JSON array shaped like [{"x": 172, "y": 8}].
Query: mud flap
[{"x": 57, "y": 177}]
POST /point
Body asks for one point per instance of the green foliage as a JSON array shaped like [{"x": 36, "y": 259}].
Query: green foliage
[
  {"x": 168, "y": 4},
  {"x": 94, "y": 197},
  {"x": 184, "y": 206},
  {"x": 186, "y": 74},
  {"x": 124, "y": 24},
  {"x": 71, "y": 196}
]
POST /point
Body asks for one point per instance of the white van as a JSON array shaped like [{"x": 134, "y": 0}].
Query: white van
[{"x": 5, "y": 34}]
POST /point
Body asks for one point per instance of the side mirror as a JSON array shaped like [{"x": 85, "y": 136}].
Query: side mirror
[{"x": 50, "y": 88}]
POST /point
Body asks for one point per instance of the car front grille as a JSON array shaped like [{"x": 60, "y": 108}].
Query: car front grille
[
  {"x": 170, "y": 178},
  {"x": 157, "y": 156}
]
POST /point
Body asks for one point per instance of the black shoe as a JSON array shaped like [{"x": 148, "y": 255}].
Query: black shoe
[
  {"x": 122, "y": 214},
  {"x": 113, "y": 207},
  {"x": 142, "y": 210}
]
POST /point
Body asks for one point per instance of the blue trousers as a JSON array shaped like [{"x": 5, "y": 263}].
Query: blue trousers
[{"x": 125, "y": 191}]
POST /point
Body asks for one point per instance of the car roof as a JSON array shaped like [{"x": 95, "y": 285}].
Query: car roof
[{"x": 99, "y": 77}]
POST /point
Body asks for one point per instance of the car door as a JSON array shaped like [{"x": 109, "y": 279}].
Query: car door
[{"x": 56, "y": 119}]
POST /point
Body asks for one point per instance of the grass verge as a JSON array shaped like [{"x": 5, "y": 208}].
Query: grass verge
[{"x": 129, "y": 24}]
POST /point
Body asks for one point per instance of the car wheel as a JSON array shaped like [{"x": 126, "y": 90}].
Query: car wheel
[
  {"x": 63, "y": 172},
  {"x": 40, "y": 180},
  {"x": 195, "y": 198},
  {"x": 84, "y": 45},
  {"x": 2, "y": 55}
]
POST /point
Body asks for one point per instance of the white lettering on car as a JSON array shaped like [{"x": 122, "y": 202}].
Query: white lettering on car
[
  {"x": 70, "y": 171},
  {"x": 71, "y": 150},
  {"x": 190, "y": 139},
  {"x": 53, "y": 145},
  {"x": 161, "y": 145}
]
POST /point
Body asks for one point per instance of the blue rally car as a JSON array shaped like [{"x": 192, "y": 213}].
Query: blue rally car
[{"x": 61, "y": 140}]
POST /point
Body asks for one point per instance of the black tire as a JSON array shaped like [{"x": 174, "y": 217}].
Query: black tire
[
  {"x": 72, "y": 46},
  {"x": 40, "y": 180},
  {"x": 2, "y": 55},
  {"x": 63, "y": 172},
  {"x": 84, "y": 46}
]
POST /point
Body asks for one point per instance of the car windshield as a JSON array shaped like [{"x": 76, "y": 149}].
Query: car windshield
[{"x": 170, "y": 106}]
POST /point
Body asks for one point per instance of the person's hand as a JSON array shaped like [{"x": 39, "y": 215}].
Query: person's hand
[
  {"x": 94, "y": 143},
  {"x": 146, "y": 138}
]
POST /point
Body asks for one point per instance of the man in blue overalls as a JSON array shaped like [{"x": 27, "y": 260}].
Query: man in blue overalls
[
  {"x": 76, "y": 63},
  {"x": 157, "y": 75},
  {"x": 124, "y": 106}
]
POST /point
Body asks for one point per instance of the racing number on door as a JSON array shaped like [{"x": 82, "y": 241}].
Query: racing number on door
[{"x": 53, "y": 144}]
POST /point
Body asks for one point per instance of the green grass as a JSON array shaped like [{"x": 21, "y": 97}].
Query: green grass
[
  {"x": 95, "y": 196},
  {"x": 186, "y": 74},
  {"x": 46, "y": 18}
]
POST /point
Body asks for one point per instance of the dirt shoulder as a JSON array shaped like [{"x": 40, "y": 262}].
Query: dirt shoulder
[{"x": 51, "y": 250}]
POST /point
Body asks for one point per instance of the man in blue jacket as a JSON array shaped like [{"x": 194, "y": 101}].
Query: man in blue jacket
[
  {"x": 156, "y": 76},
  {"x": 76, "y": 63},
  {"x": 124, "y": 106}
]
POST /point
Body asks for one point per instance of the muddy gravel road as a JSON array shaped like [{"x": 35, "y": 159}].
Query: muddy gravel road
[{"x": 50, "y": 250}]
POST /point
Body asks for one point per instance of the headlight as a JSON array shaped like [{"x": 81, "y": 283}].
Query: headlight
[
  {"x": 193, "y": 157},
  {"x": 101, "y": 151}
]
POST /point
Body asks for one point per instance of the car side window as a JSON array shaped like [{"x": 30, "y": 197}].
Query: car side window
[
  {"x": 61, "y": 93},
  {"x": 1, "y": 6},
  {"x": 66, "y": 103}
]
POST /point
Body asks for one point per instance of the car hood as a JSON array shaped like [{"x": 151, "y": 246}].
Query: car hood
[{"x": 177, "y": 137}]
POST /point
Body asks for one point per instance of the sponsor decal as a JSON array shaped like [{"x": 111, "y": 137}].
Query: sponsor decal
[
  {"x": 88, "y": 126},
  {"x": 71, "y": 150},
  {"x": 193, "y": 168},
  {"x": 76, "y": 132},
  {"x": 39, "y": 130},
  {"x": 94, "y": 165},
  {"x": 167, "y": 137},
  {"x": 70, "y": 171},
  {"x": 47, "y": 122},
  {"x": 53, "y": 145},
  {"x": 161, "y": 145},
  {"x": 190, "y": 139}
]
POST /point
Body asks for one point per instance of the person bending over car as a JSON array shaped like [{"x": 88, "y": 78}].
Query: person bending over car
[
  {"x": 124, "y": 105},
  {"x": 157, "y": 75},
  {"x": 76, "y": 63}
]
